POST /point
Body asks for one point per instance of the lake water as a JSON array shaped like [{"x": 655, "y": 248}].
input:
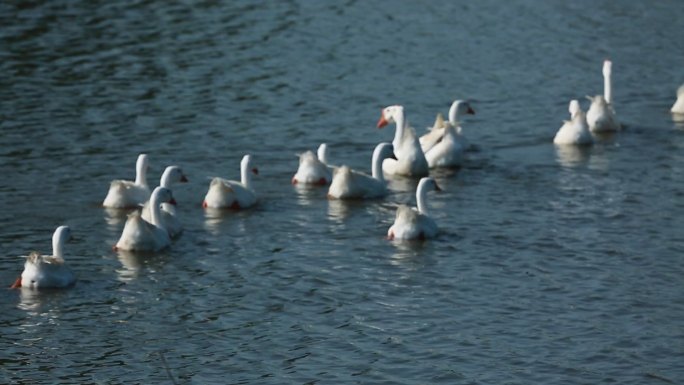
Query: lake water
[{"x": 552, "y": 267}]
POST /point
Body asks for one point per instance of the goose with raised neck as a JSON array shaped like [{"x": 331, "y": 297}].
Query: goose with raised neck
[
  {"x": 412, "y": 223},
  {"x": 129, "y": 194},
  {"x": 601, "y": 115},
  {"x": 352, "y": 184},
  {"x": 225, "y": 193},
  {"x": 437, "y": 131},
  {"x": 313, "y": 169},
  {"x": 410, "y": 159},
  {"x": 141, "y": 235},
  {"x": 450, "y": 150},
  {"x": 48, "y": 271},
  {"x": 171, "y": 176},
  {"x": 576, "y": 130}
]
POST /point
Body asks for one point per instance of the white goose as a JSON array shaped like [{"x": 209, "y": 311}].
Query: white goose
[
  {"x": 313, "y": 170},
  {"x": 350, "y": 184},
  {"x": 224, "y": 193},
  {"x": 458, "y": 108},
  {"x": 410, "y": 160},
  {"x": 449, "y": 149},
  {"x": 171, "y": 175},
  {"x": 410, "y": 223},
  {"x": 48, "y": 271},
  {"x": 574, "y": 131},
  {"x": 601, "y": 114},
  {"x": 141, "y": 235},
  {"x": 129, "y": 194},
  {"x": 678, "y": 106}
]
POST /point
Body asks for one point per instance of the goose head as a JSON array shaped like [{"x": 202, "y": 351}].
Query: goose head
[
  {"x": 428, "y": 184},
  {"x": 458, "y": 108},
  {"x": 574, "y": 108},
  {"x": 607, "y": 68},
  {"x": 162, "y": 195},
  {"x": 172, "y": 174},
  {"x": 391, "y": 114},
  {"x": 246, "y": 165}
]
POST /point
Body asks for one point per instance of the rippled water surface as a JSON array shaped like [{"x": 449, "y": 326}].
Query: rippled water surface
[{"x": 552, "y": 267}]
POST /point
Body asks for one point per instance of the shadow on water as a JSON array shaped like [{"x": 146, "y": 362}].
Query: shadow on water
[
  {"x": 678, "y": 120},
  {"x": 134, "y": 263},
  {"x": 572, "y": 156},
  {"x": 33, "y": 300},
  {"x": 309, "y": 195},
  {"x": 116, "y": 218}
]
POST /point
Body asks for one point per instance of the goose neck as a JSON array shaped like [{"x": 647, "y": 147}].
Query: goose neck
[
  {"x": 453, "y": 114},
  {"x": 166, "y": 178},
  {"x": 400, "y": 121},
  {"x": 607, "y": 87},
  {"x": 155, "y": 210},
  {"x": 376, "y": 164},
  {"x": 141, "y": 171},
  {"x": 245, "y": 175},
  {"x": 59, "y": 238},
  {"x": 421, "y": 198}
]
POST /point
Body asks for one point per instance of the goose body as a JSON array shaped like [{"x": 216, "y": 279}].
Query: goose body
[
  {"x": 410, "y": 159},
  {"x": 601, "y": 115},
  {"x": 351, "y": 184},
  {"x": 129, "y": 194},
  {"x": 678, "y": 106},
  {"x": 48, "y": 271},
  {"x": 448, "y": 152},
  {"x": 168, "y": 216},
  {"x": 410, "y": 223},
  {"x": 313, "y": 169},
  {"x": 438, "y": 131},
  {"x": 574, "y": 131},
  {"x": 434, "y": 134},
  {"x": 141, "y": 235},
  {"x": 224, "y": 193}
]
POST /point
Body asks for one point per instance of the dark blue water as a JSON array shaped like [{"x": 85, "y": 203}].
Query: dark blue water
[{"x": 552, "y": 267}]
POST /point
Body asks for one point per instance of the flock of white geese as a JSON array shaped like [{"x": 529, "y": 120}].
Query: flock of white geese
[{"x": 153, "y": 227}]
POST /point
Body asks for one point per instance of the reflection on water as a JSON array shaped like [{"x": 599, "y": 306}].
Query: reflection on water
[
  {"x": 29, "y": 299},
  {"x": 605, "y": 137},
  {"x": 213, "y": 218},
  {"x": 678, "y": 119},
  {"x": 409, "y": 254},
  {"x": 132, "y": 265},
  {"x": 572, "y": 156},
  {"x": 116, "y": 218},
  {"x": 338, "y": 210},
  {"x": 39, "y": 302},
  {"x": 308, "y": 195},
  {"x": 600, "y": 160},
  {"x": 402, "y": 184}
]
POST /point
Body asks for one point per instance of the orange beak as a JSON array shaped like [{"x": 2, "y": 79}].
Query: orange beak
[
  {"x": 382, "y": 122},
  {"x": 16, "y": 284}
]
